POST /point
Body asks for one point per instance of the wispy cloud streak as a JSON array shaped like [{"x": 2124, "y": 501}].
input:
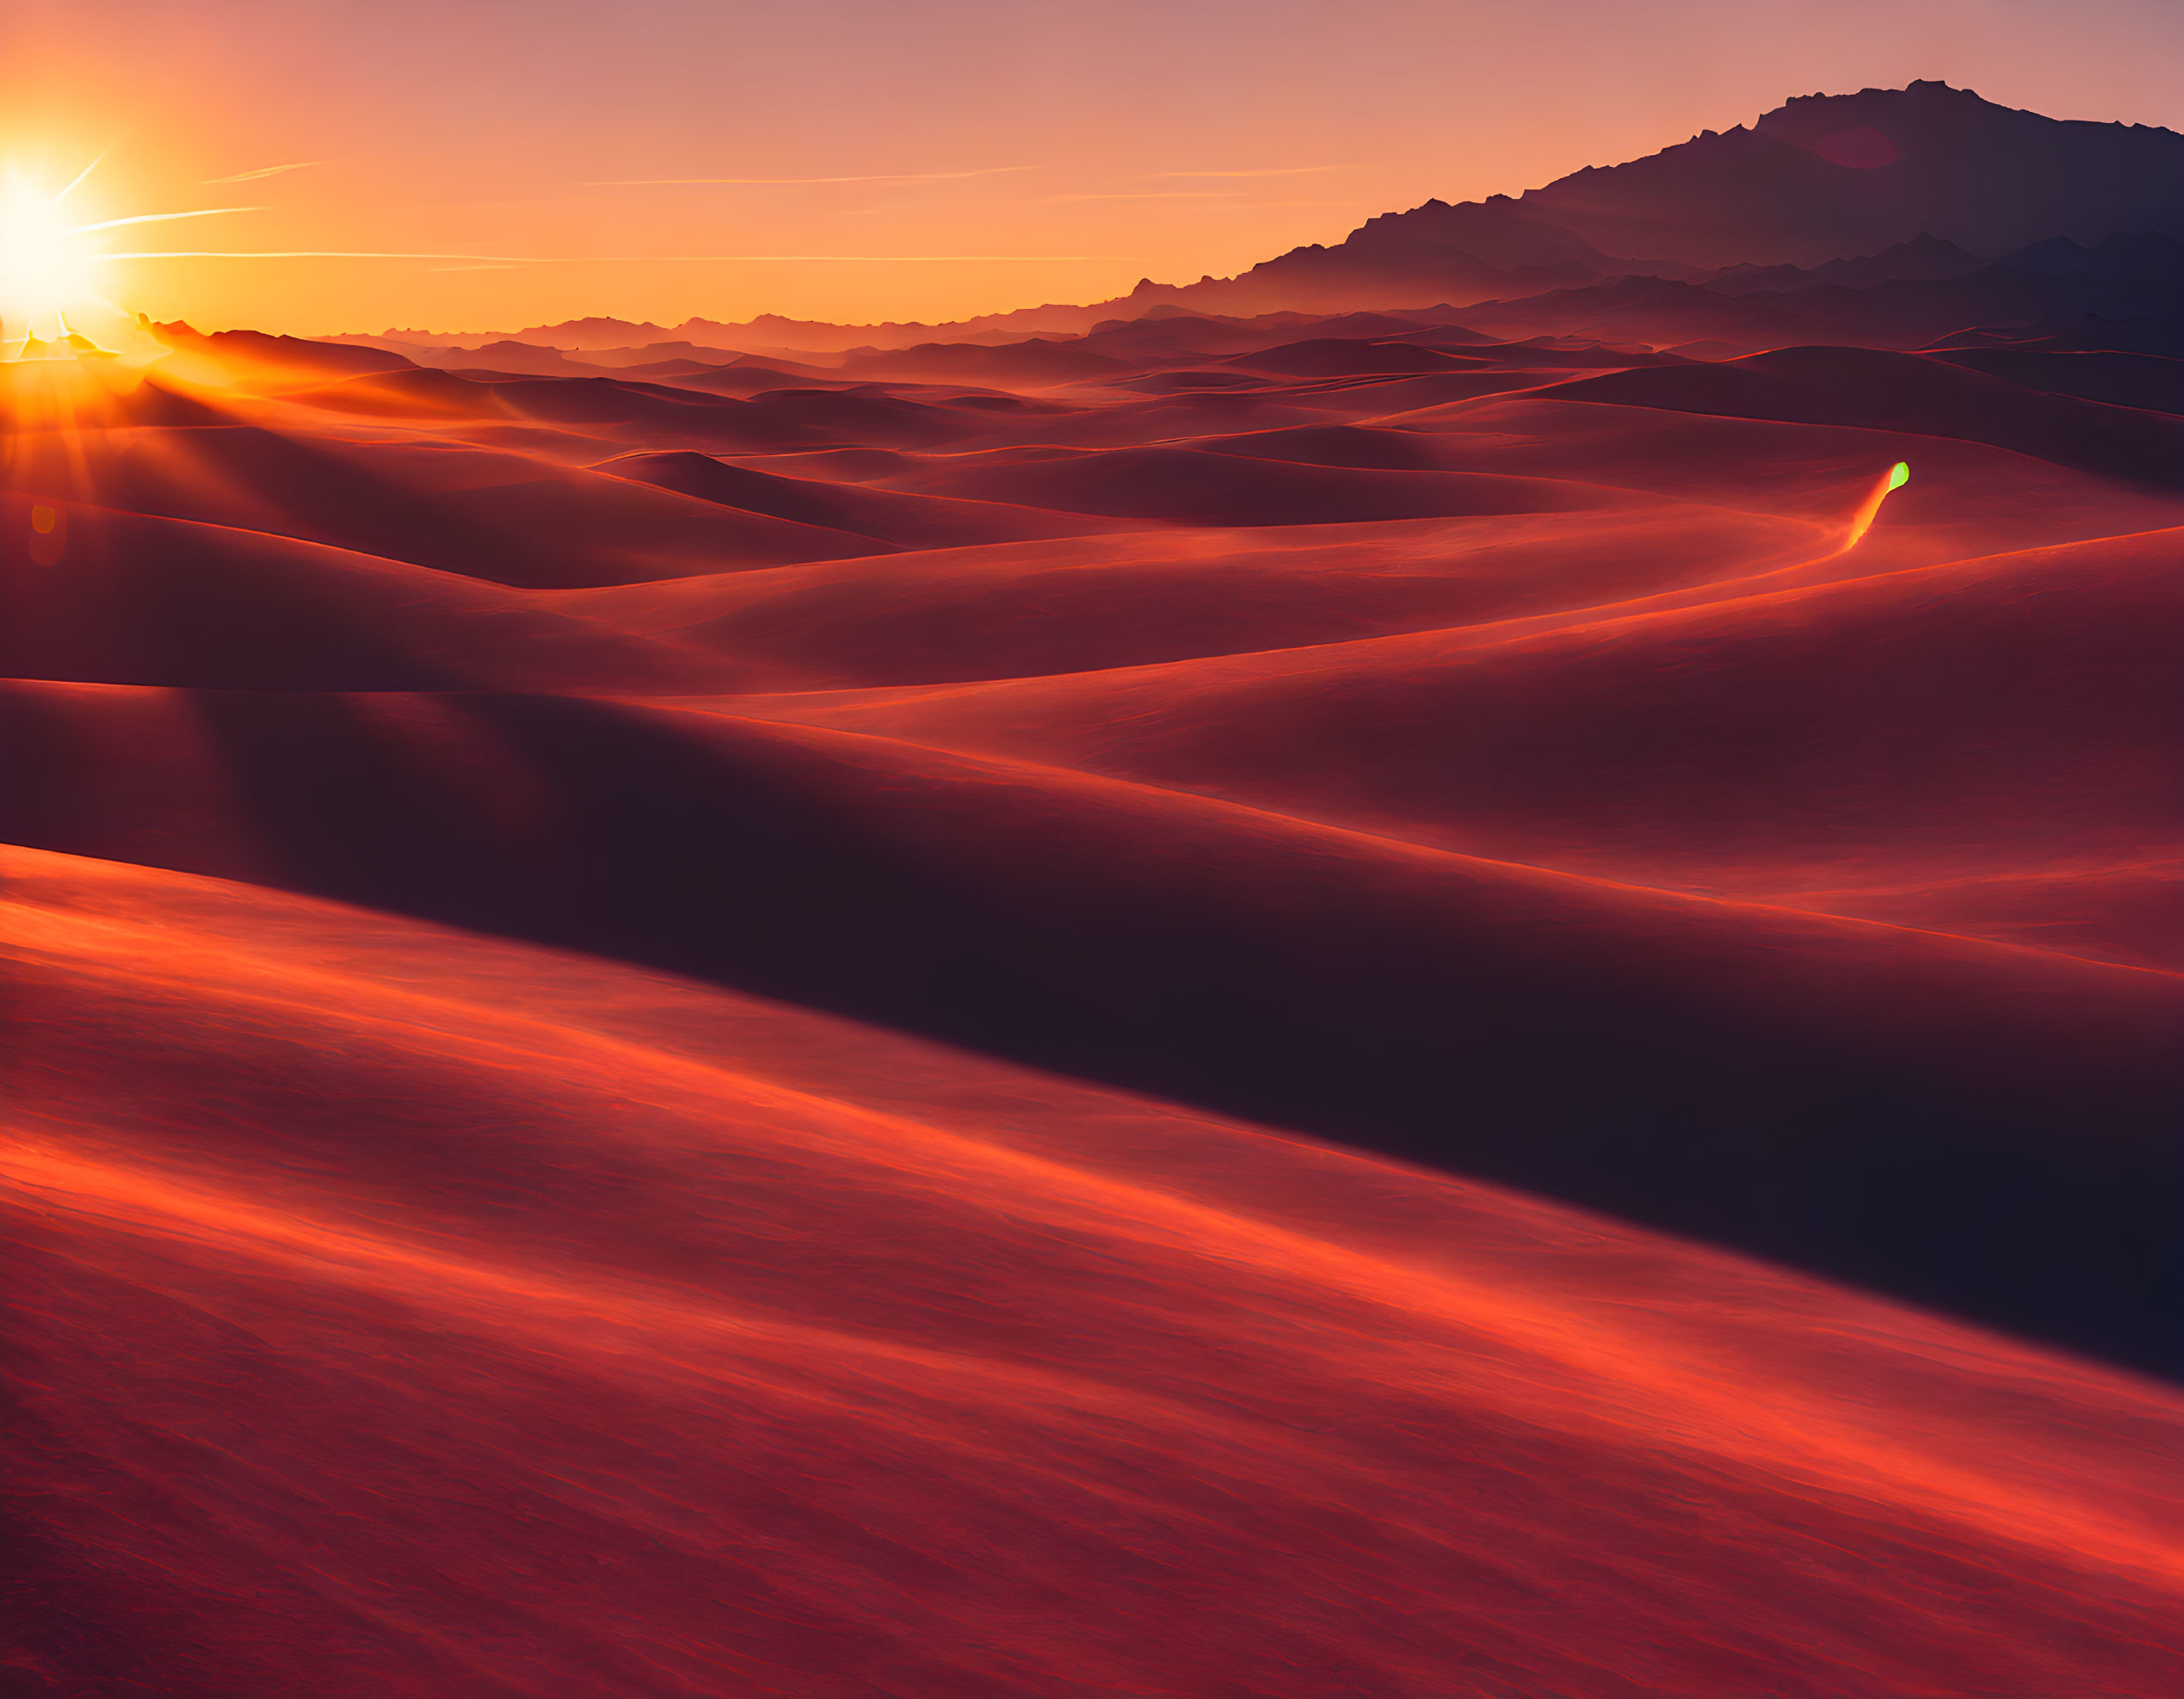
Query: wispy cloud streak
[
  {"x": 160, "y": 218},
  {"x": 1281, "y": 171},
  {"x": 268, "y": 171},
  {"x": 1156, "y": 194},
  {"x": 886, "y": 176}
]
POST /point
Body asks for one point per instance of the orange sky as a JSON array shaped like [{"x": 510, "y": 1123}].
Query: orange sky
[{"x": 1001, "y": 152}]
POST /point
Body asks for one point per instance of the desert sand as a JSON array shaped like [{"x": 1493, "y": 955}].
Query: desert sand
[{"x": 1250, "y": 1005}]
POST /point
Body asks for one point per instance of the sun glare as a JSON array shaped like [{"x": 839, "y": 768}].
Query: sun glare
[
  {"x": 52, "y": 258},
  {"x": 49, "y": 266}
]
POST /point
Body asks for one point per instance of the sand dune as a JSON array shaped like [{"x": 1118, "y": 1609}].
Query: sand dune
[
  {"x": 2012, "y": 705},
  {"x": 1026, "y": 365},
  {"x": 253, "y": 359},
  {"x": 1382, "y": 992},
  {"x": 405, "y": 394},
  {"x": 1110, "y": 805},
  {"x": 497, "y": 516},
  {"x": 761, "y": 1350},
  {"x": 862, "y": 418},
  {"x": 915, "y": 521},
  {"x": 151, "y": 601},
  {"x": 1171, "y": 594},
  {"x": 2144, "y": 380},
  {"x": 1908, "y": 391},
  {"x": 1341, "y": 356},
  {"x": 1199, "y": 489},
  {"x": 1964, "y": 498}
]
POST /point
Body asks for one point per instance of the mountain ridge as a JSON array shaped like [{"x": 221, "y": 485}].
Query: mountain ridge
[{"x": 1886, "y": 185}]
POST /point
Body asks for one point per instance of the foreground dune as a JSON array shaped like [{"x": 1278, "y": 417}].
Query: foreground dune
[{"x": 415, "y": 1314}]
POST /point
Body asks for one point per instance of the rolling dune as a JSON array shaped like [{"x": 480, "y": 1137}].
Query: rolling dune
[
  {"x": 1192, "y": 488},
  {"x": 913, "y": 522},
  {"x": 1244, "y": 1006},
  {"x": 590, "y": 1326}
]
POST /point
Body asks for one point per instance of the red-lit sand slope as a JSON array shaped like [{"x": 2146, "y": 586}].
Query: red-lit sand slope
[
  {"x": 395, "y": 1313},
  {"x": 1487, "y": 755}
]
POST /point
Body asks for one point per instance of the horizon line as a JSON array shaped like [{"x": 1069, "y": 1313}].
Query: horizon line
[{"x": 615, "y": 259}]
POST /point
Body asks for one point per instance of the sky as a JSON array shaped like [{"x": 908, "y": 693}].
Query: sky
[{"x": 505, "y": 162}]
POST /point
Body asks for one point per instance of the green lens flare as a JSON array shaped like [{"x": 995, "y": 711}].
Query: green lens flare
[{"x": 1899, "y": 474}]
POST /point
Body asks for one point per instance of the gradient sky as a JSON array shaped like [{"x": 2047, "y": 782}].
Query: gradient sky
[{"x": 1110, "y": 139}]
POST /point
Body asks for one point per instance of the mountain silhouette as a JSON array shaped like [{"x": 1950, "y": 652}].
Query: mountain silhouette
[
  {"x": 1826, "y": 176},
  {"x": 1913, "y": 184}
]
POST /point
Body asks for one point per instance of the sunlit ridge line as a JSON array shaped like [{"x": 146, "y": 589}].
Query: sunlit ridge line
[
  {"x": 110, "y": 1193},
  {"x": 1412, "y": 848},
  {"x": 196, "y": 1208},
  {"x": 616, "y": 1298}
]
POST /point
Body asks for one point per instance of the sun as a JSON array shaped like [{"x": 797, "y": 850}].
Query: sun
[{"x": 49, "y": 265}]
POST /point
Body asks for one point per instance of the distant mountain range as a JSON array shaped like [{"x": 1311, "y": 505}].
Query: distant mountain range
[
  {"x": 1924, "y": 258},
  {"x": 1892, "y": 216}
]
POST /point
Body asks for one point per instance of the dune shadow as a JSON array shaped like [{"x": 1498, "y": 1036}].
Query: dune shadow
[{"x": 2002, "y": 1153}]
